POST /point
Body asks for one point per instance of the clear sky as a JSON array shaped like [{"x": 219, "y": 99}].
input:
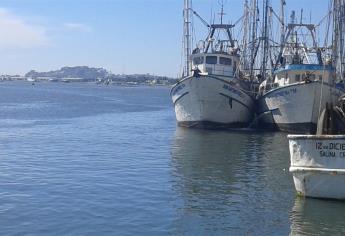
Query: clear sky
[{"x": 123, "y": 36}]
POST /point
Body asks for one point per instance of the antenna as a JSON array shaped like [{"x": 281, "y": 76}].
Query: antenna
[
  {"x": 293, "y": 17},
  {"x": 222, "y": 11}
]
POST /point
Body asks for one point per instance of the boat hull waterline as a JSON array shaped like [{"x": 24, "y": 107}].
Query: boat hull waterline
[{"x": 211, "y": 102}]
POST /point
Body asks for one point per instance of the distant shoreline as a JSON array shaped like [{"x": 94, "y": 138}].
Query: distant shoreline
[{"x": 33, "y": 82}]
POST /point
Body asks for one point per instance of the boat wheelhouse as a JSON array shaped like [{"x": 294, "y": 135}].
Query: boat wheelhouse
[
  {"x": 218, "y": 64},
  {"x": 297, "y": 73}
]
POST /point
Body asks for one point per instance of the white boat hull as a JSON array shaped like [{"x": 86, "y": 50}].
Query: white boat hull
[
  {"x": 318, "y": 165},
  {"x": 295, "y": 108},
  {"x": 208, "y": 102}
]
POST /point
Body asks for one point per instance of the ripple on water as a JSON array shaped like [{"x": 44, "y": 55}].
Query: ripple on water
[{"x": 82, "y": 159}]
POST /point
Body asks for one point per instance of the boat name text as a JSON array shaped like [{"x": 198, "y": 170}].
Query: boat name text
[
  {"x": 231, "y": 89},
  {"x": 284, "y": 93},
  {"x": 330, "y": 149}
]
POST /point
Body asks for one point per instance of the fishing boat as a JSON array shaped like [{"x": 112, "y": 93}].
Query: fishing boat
[
  {"x": 290, "y": 99},
  {"x": 318, "y": 161},
  {"x": 318, "y": 165},
  {"x": 211, "y": 94}
]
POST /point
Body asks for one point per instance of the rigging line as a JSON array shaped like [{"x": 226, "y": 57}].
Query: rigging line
[
  {"x": 275, "y": 14},
  {"x": 323, "y": 18},
  {"x": 240, "y": 32},
  {"x": 239, "y": 20},
  {"x": 328, "y": 23},
  {"x": 199, "y": 17}
]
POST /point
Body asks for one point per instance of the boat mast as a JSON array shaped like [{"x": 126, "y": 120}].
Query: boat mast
[
  {"x": 253, "y": 40},
  {"x": 245, "y": 36},
  {"x": 282, "y": 21},
  {"x": 222, "y": 13},
  {"x": 186, "y": 37},
  {"x": 265, "y": 40},
  {"x": 338, "y": 37},
  {"x": 341, "y": 10},
  {"x": 335, "y": 36}
]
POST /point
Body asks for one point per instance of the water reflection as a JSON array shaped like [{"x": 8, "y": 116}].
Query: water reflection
[
  {"x": 231, "y": 182},
  {"x": 317, "y": 217}
]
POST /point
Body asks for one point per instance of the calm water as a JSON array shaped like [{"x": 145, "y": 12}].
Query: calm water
[{"x": 82, "y": 159}]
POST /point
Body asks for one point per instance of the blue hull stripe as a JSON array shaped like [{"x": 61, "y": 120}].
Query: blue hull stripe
[
  {"x": 184, "y": 94},
  {"x": 298, "y": 84}
]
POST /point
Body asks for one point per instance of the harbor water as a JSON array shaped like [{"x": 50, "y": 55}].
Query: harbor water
[{"x": 87, "y": 159}]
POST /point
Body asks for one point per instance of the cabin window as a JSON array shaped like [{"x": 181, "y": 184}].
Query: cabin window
[
  {"x": 198, "y": 60},
  {"x": 286, "y": 79},
  {"x": 225, "y": 61},
  {"x": 312, "y": 76},
  {"x": 211, "y": 60},
  {"x": 298, "y": 78}
]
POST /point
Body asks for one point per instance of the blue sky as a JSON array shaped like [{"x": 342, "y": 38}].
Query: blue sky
[{"x": 123, "y": 36}]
